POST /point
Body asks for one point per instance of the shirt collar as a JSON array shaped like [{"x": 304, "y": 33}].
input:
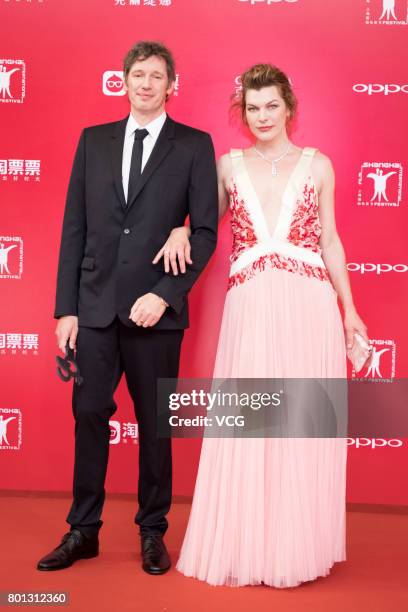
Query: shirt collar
[{"x": 154, "y": 127}]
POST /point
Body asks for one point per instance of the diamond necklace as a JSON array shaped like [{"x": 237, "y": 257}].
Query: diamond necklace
[{"x": 273, "y": 161}]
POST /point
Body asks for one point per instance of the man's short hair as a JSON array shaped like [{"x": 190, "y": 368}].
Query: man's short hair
[{"x": 145, "y": 49}]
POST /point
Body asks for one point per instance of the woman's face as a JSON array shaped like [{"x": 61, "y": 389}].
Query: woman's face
[{"x": 266, "y": 113}]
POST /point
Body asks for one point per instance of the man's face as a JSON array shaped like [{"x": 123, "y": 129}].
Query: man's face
[{"x": 148, "y": 86}]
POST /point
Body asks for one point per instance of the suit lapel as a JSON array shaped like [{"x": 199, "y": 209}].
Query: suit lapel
[
  {"x": 163, "y": 145},
  {"x": 117, "y": 141}
]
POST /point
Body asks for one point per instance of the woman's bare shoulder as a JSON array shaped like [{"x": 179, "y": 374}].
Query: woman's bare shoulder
[{"x": 322, "y": 162}]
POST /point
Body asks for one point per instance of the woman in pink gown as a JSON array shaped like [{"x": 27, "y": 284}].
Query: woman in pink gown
[{"x": 272, "y": 510}]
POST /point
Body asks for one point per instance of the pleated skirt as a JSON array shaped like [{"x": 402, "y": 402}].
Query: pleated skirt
[{"x": 272, "y": 510}]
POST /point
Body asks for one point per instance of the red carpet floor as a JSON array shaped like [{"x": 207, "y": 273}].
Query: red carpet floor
[{"x": 374, "y": 578}]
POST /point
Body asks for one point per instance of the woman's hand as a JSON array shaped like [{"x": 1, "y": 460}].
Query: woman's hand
[
  {"x": 353, "y": 325},
  {"x": 176, "y": 248}
]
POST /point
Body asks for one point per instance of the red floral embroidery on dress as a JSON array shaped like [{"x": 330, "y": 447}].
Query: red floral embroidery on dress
[
  {"x": 273, "y": 260},
  {"x": 305, "y": 228},
  {"x": 243, "y": 233}
]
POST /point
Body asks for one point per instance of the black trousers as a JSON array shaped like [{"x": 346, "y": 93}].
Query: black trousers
[{"x": 103, "y": 354}]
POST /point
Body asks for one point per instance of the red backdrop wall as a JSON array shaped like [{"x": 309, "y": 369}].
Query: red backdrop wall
[{"x": 347, "y": 64}]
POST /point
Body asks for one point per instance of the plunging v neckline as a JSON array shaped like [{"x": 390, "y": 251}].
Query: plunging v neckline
[{"x": 257, "y": 201}]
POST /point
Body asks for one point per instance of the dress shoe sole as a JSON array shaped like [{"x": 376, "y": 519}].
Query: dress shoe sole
[
  {"x": 90, "y": 555},
  {"x": 155, "y": 572}
]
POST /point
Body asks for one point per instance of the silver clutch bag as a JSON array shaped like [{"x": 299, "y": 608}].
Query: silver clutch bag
[{"x": 360, "y": 354}]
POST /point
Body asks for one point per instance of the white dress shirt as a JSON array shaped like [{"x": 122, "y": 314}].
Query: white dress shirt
[{"x": 154, "y": 128}]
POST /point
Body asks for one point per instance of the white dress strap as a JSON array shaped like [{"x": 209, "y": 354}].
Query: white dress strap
[
  {"x": 292, "y": 190},
  {"x": 234, "y": 153},
  {"x": 248, "y": 194},
  {"x": 303, "y": 167},
  {"x": 310, "y": 151}
]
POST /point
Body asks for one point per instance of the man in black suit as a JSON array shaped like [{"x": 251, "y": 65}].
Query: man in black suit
[{"x": 132, "y": 182}]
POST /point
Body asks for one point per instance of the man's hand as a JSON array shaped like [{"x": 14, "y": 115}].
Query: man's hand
[
  {"x": 148, "y": 310},
  {"x": 67, "y": 329}
]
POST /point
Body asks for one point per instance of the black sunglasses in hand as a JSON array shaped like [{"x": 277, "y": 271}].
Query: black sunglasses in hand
[{"x": 64, "y": 366}]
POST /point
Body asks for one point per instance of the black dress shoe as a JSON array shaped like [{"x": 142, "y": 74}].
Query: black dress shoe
[
  {"x": 74, "y": 545},
  {"x": 155, "y": 557}
]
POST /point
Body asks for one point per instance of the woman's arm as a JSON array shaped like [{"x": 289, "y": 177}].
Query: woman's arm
[
  {"x": 176, "y": 251},
  {"x": 332, "y": 248},
  {"x": 224, "y": 175}
]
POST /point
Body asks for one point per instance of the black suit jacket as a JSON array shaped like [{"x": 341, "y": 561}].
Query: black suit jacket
[{"x": 106, "y": 252}]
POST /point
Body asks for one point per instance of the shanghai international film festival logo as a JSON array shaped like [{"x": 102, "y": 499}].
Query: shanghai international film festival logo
[
  {"x": 27, "y": 170},
  {"x": 11, "y": 257},
  {"x": 113, "y": 85},
  {"x": 12, "y": 81},
  {"x": 10, "y": 429},
  {"x": 123, "y": 432},
  {"x": 382, "y": 364},
  {"x": 386, "y": 12},
  {"x": 380, "y": 184}
]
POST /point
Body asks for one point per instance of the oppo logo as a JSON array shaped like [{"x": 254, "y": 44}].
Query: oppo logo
[
  {"x": 378, "y": 88},
  {"x": 365, "y": 268},
  {"x": 373, "y": 442}
]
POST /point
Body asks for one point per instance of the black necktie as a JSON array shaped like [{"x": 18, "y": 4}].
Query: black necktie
[{"x": 136, "y": 163}]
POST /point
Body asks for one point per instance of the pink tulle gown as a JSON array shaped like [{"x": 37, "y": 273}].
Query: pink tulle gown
[{"x": 272, "y": 511}]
